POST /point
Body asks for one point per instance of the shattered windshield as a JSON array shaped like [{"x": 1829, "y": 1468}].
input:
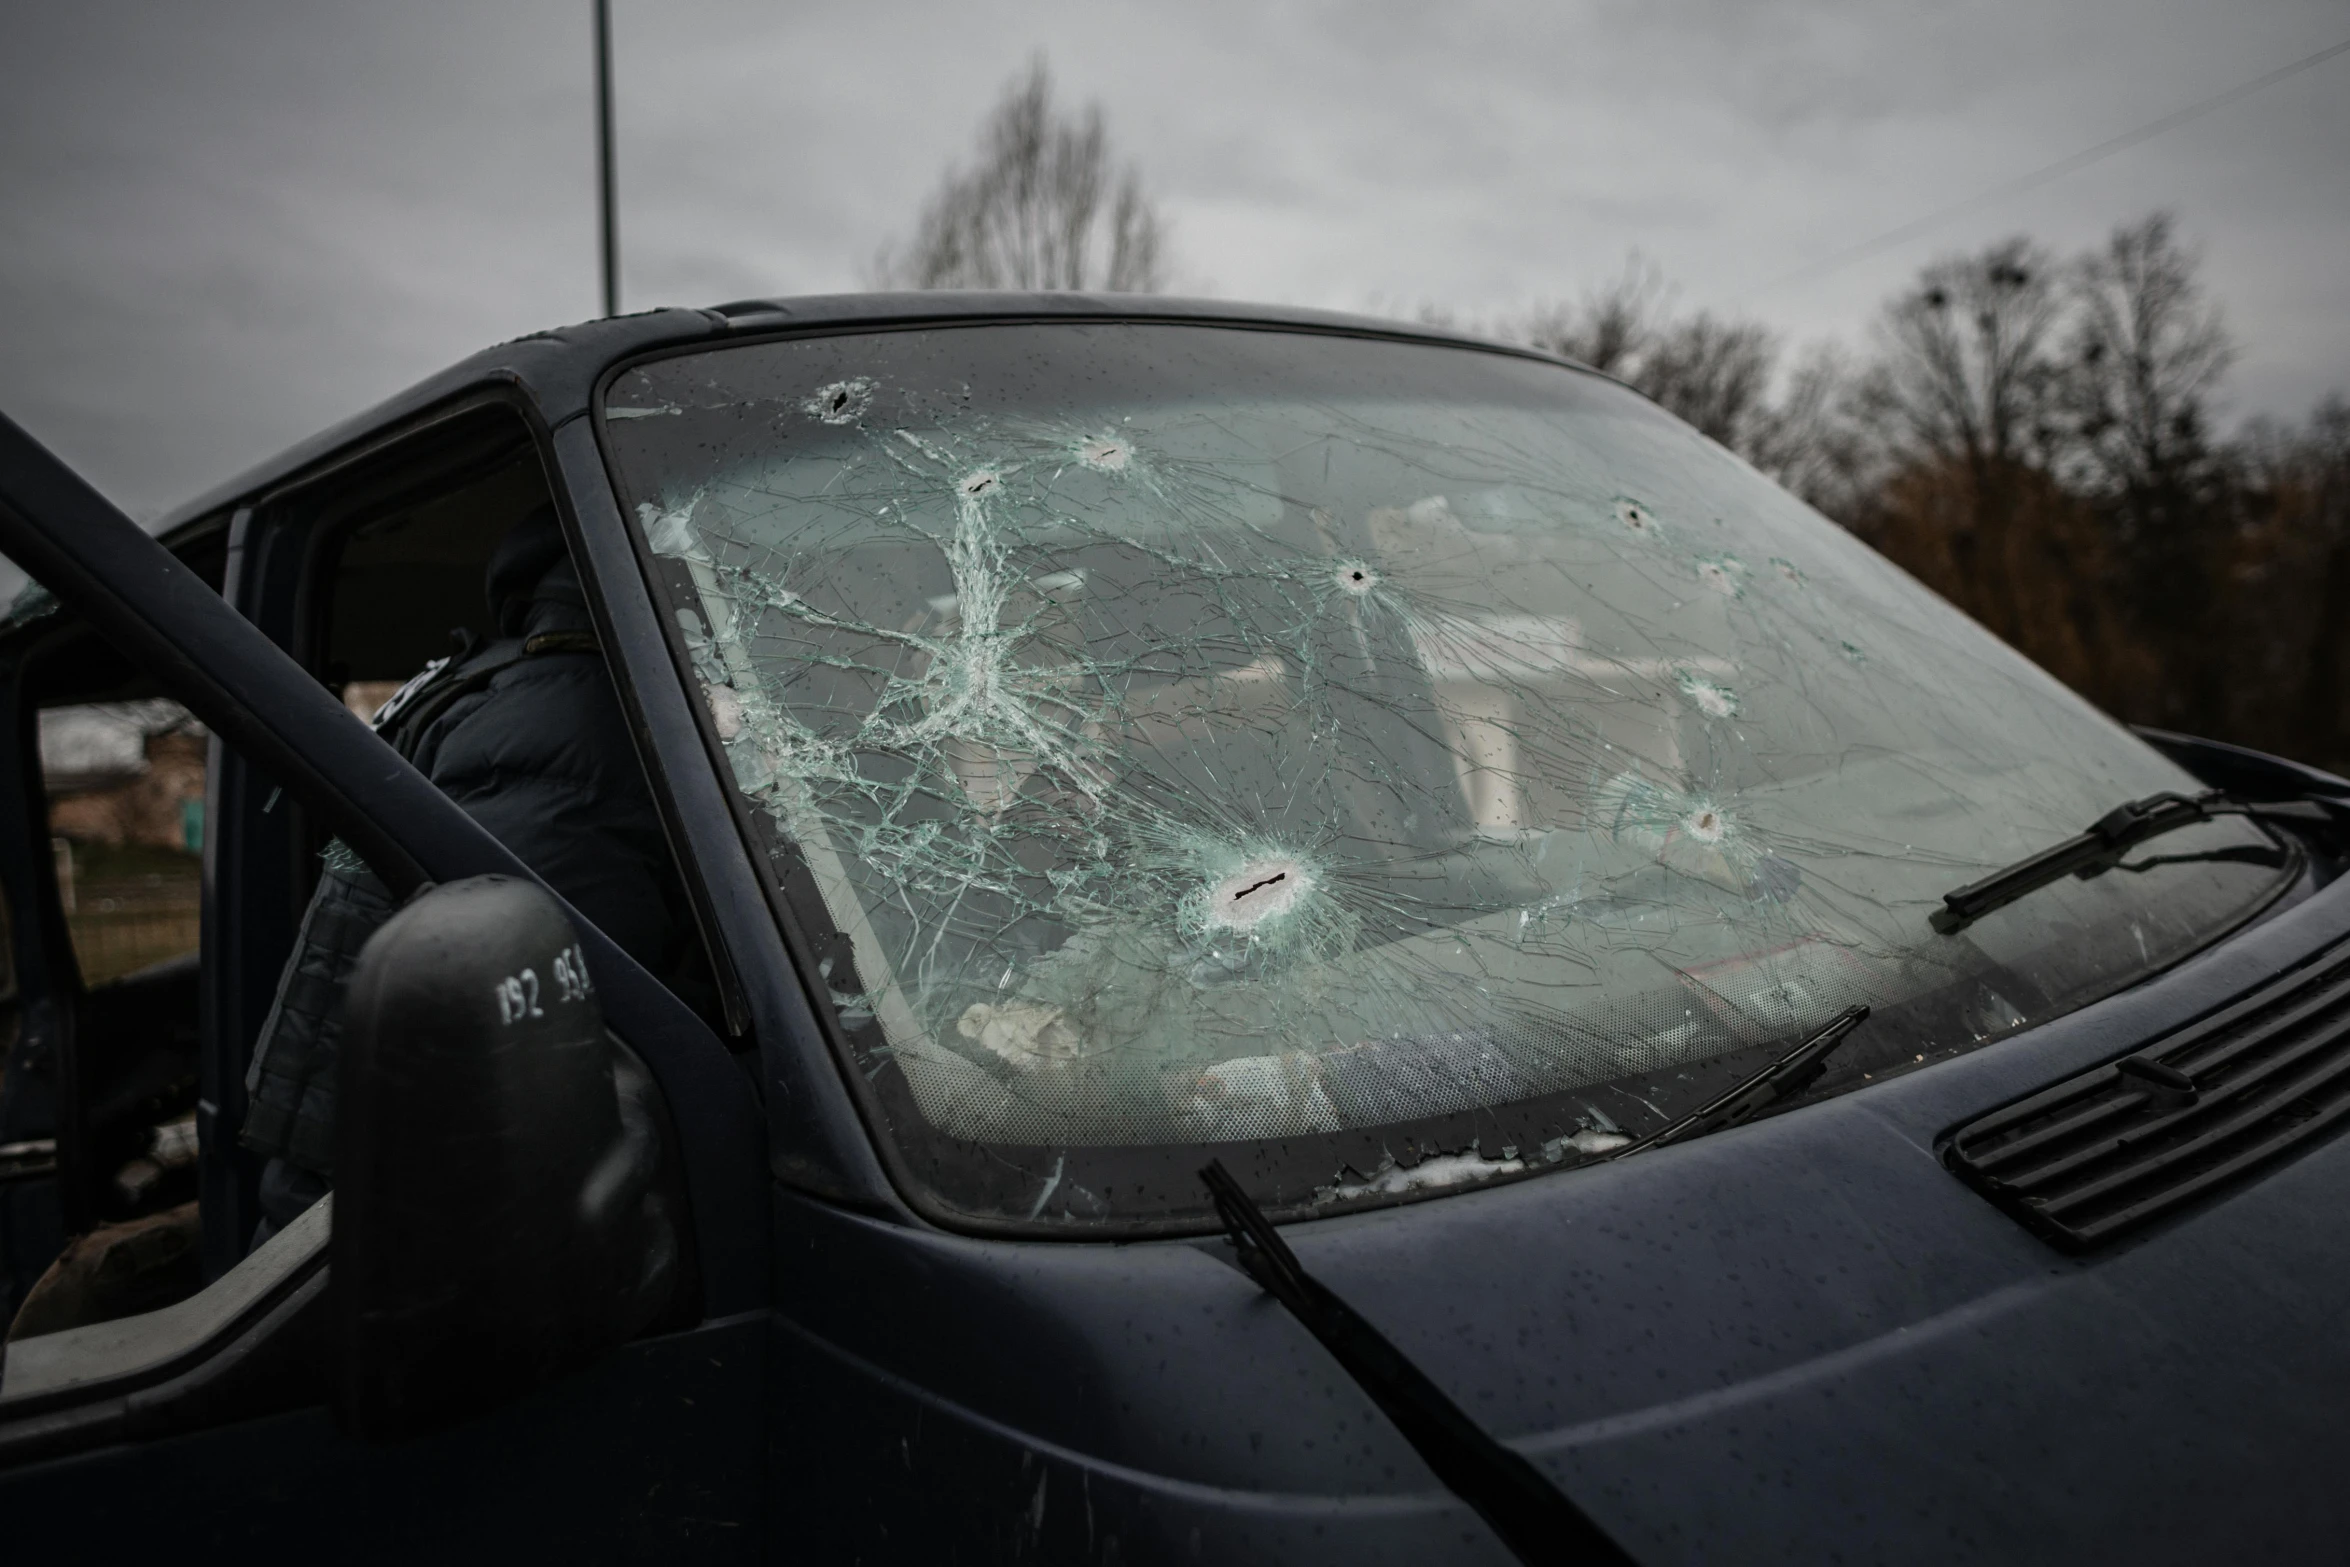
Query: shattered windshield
[{"x": 1387, "y": 766}]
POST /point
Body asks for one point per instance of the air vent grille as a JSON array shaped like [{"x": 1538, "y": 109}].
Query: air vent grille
[{"x": 2116, "y": 1147}]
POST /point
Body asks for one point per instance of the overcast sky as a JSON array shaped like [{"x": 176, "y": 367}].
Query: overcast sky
[{"x": 225, "y": 225}]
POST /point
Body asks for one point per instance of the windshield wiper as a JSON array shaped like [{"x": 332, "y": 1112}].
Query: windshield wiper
[
  {"x": 1533, "y": 1516},
  {"x": 2087, "y": 854},
  {"x": 1791, "y": 1074},
  {"x": 1530, "y": 1514}
]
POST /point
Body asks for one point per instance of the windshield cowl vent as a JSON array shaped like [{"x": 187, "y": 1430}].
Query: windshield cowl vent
[{"x": 2108, "y": 1151}]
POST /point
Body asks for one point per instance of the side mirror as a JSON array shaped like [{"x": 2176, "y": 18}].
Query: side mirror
[{"x": 500, "y": 1209}]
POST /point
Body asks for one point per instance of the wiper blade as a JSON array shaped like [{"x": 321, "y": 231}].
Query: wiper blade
[
  {"x": 1791, "y": 1074},
  {"x": 1530, "y": 1514},
  {"x": 2085, "y": 854}
]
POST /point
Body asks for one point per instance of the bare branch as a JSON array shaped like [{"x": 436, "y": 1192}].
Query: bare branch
[
  {"x": 1043, "y": 209},
  {"x": 2146, "y": 352}
]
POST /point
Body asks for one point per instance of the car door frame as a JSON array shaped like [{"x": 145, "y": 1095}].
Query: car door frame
[
  {"x": 282, "y": 539},
  {"x": 290, "y": 729},
  {"x": 53, "y": 998}
]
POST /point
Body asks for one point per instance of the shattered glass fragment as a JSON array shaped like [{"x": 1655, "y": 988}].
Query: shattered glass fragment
[
  {"x": 1431, "y": 1174},
  {"x": 1586, "y": 1142},
  {"x": 31, "y": 602},
  {"x": 726, "y": 710},
  {"x": 1707, "y": 695},
  {"x": 671, "y": 532}
]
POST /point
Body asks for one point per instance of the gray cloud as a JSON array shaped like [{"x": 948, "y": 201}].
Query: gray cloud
[{"x": 229, "y": 225}]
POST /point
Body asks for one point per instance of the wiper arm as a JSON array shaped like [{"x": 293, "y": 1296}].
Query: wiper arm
[
  {"x": 2085, "y": 854},
  {"x": 1532, "y": 1516},
  {"x": 1791, "y": 1074}
]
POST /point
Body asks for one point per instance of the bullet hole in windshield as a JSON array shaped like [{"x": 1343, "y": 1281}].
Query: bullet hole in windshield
[
  {"x": 841, "y": 402},
  {"x": 1106, "y": 453},
  {"x": 1259, "y": 891}
]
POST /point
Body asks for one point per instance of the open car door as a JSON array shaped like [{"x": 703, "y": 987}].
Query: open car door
[{"x": 207, "y": 1419}]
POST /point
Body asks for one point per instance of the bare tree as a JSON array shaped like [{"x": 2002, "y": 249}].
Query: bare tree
[
  {"x": 1961, "y": 405},
  {"x": 1809, "y": 439},
  {"x": 2147, "y": 351},
  {"x": 1609, "y": 329},
  {"x": 2037, "y": 441},
  {"x": 1043, "y": 208},
  {"x": 2284, "y": 626},
  {"x": 1713, "y": 372},
  {"x": 1966, "y": 372}
]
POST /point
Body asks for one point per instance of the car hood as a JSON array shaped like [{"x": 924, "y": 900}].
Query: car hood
[{"x": 1804, "y": 1335}]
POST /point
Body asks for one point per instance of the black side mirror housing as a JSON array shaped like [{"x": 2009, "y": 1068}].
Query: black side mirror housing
[{"x": 502, "y": 1208}]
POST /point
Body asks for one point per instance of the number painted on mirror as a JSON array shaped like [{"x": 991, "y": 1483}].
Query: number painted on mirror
[
  {"x": 518, "y": 997},
  {"x": 571, "y": 975},
  {"x": 519, "y": 994}
]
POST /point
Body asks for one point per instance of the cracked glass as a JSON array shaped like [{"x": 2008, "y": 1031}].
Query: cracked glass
[{"x": 1389, "y": 767}]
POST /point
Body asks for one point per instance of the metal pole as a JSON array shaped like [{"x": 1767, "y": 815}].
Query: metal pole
[{"x": 607, "y": 204}]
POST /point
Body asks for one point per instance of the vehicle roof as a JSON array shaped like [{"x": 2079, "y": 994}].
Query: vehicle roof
[{"x": 559, "y": 368}]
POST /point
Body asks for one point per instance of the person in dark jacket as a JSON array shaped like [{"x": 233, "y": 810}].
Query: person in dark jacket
[{"x": 525, "y": 732}]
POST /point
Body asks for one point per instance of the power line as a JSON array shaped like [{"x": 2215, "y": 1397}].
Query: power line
[{"x": 1838, "y": 260}]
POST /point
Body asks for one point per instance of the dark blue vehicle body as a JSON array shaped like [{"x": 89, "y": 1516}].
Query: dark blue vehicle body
[{"x": 1804, "y": 1339}]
